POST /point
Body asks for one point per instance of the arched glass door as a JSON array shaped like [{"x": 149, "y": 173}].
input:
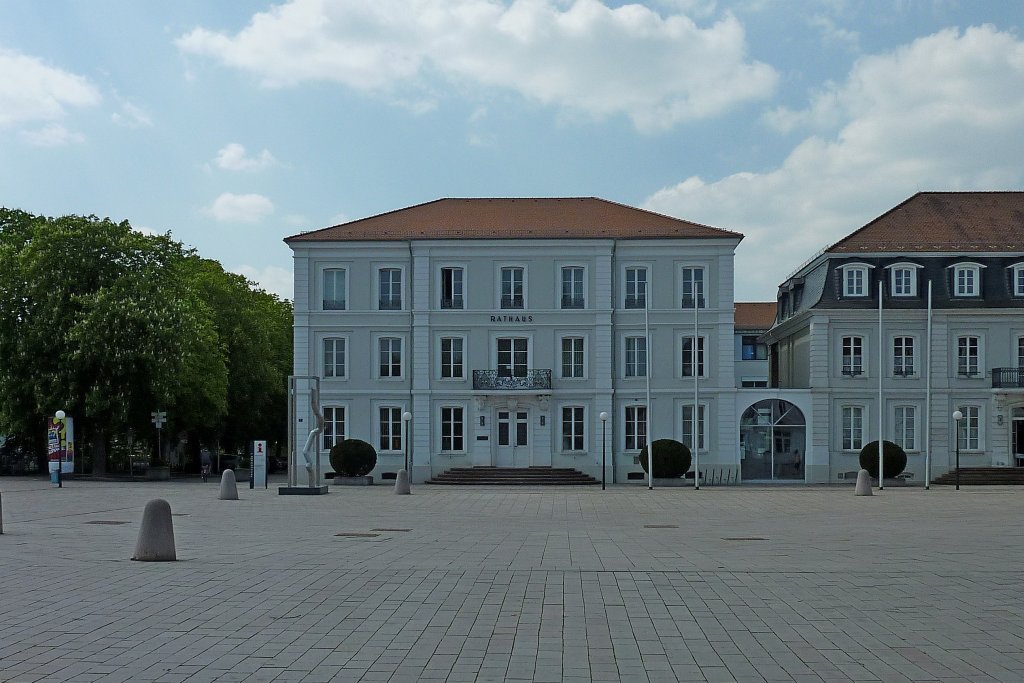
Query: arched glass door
[{"x": 772, "y": 442}]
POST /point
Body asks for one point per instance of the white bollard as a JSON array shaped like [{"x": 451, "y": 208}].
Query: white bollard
[
  {"x": 402, "y": 483},
  {"x": 156, "y": 535},
  {"x": 863, "y": 484},
  {"x": 228, "y": 486}
]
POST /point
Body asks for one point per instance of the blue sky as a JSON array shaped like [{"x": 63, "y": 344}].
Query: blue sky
[{"x": 236, "y": 124}]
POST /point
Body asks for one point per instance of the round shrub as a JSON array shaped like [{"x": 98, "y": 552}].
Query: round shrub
[
  {"x": 353, "y": 458},
  {"x": 670, "y": 458},
  {"x": 894, "y": 459}
]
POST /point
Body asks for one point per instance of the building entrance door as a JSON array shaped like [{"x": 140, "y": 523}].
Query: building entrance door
[
  {"x": 513, "y": 437},
  {"x": 1017, "y": 438}
]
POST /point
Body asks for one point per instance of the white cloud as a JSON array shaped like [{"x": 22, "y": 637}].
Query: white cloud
[
  {"x": 146, "y": 230},
  {"x": 131, "y": 116},
  {"x": 51, "y": 135},
  {"x": 240, "y": 208},
  {"x": 274, "y": 279},
  {"x": 232, "y": 157},
  {"x": 945, "y": 112},
  {"x": 32, "y": 91},
  {"x": 581, "y": 56}
]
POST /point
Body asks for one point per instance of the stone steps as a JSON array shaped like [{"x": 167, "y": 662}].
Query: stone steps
[
  {"x": 984, "y": 476},
  {"x": 513, "y": 476}
]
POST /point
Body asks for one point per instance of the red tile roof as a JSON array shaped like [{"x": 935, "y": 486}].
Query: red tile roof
[
  {"x": 962, "y": 222},
  {"x": 757, "y": 315},
  {"x": 528, "y": 218}
]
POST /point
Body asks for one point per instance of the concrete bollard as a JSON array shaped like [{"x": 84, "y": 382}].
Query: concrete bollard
[
  {"x": 863, "y": 484},
  {"x": 402, "y": 483},
  {"x": 156, "y": 535},
  {"x": 228, "y": 486}
]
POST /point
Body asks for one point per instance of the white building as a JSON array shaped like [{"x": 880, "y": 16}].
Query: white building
[{"x": 507, "y": 326}]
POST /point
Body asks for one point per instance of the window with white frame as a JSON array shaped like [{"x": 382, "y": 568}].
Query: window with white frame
[
  {"x": 636, "y": 427},
  {"x": 903, "y": 356},
  {"x": 903, "y": 280},
  {"x": 688, "y": 356},
  {"x": 1020, "y": 352},
  {"x": 451, "y": 288},
  {"x": 636, "y": 287},
  {"x": 969, "y": 432},
  {"x": 692, "y": 280},
  {"x": 334, "y": 289},
  {"x": 390, "y": 356},
  {"x": 754, "y": 383},
  {"x": 905, "y": 428},
  {"x": 752, "y": 349},
  {"x": 636, "y": 357},
  {"x": 334, "y": 426},
  {"x": 334, "y": 357},
  {"x": 390, "y": 289},
  {"x": 572, "y": 357},
  {"x": 853, "y": 428},
  {"x": 512, "y": 279},
  {"x": 967, "y": 354},
  {"x": 572, "y": 428},
  {"x": 572, "y": 287},
  {"x": 855, "y": 281},
  {"x": 853, "y": 356},
  {"x": 452, "y": 429},
  {"x": 451, "y": 358},
  {"x": 390, "y": 428},
  {"x": 1017, "y": 279},
  {"x": 967, "y": 280},
  {"x": 687, "y": 435},
  {"x": 513, "y": 356}
]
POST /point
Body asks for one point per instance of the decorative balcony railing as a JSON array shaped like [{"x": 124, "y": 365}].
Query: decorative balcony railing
[
  {"x": 1008, "y": 378},
  {"x": 496, "y": 380}
]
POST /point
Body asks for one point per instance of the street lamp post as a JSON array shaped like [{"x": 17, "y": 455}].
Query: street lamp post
[
  {"x": 604, "y": 424},
  {"x": 957, "y": 416},
  {"x": 406, "y": 416},
  {"x": 60, "y": 415}
]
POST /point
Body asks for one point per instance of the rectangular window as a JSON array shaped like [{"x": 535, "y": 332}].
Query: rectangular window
[
  {"x": 390, "y": 356},
  {"x": 512, "y": 356},
  {"x": 334, "y": 289},
  {"x": 572, "y": 357},
  {"x": 452, "y": 429},
  {"x": 334, "y": 426},
  {"x": 636, "y": 427},
  {"x": 688, "y": 356},
  {"x": 965, "y": 281},
  {"x": 853, "y": 356},
  {"x": 854, "y": 281},
  {"x": 1018, "y": 281},
  {"x": 451, "y": 358},
  {"x": 512, "y": 288},
  {"x": 903, "y": 282},
  {"x": 334, "y": 357},
  {"x": 390, "y": 289},
  {"x": 970, "y": 428},
  {"x": 1020, "y": 352},
  {"x": 753, "y": 383},
  {"x": 906, "y": 428},
  {"x": 636, "y": 288},
  {"x": 903, "y": 356},
  {"x": 390, "y": 428},
  {"x": 967, "y": 356},
  {"x": 693, "y": 287},
  {"x": 752, "y": 350},
  {"x": 636, "y": 356},
  {"x": 853, "y": 428},
  {"x": 572, "y": 287},
  {"x": 572, "y": 428},
  {"x": 687, "y": 436},
  {"x": 451, "y": 288}
]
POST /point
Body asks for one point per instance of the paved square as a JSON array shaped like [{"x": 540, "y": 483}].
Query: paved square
[{"x": 487, "y": 584}]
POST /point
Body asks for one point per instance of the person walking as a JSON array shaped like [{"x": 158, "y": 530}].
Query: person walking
[{"x": 205, "y": 462}]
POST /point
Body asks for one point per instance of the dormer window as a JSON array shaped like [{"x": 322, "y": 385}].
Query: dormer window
[
  {"x": 903, "y": 279},
  {"x": 855, "y": 279},
  {"x": 1017, "y": 279},
  {"x": 967, "y": 279}
]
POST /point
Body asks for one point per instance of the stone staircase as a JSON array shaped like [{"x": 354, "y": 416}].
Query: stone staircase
[
  {"x": 984, "y": 476},
  {"x": 513, "y": 476}
]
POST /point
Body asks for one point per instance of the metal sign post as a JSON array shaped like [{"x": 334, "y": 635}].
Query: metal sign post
[{"x": 158, "y": 417}]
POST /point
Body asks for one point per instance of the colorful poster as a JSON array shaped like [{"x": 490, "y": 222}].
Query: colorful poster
[{"x": 60, "y": 444}]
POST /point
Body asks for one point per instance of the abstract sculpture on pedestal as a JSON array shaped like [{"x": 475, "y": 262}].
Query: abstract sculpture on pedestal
[{"x": 310, "y": 447}]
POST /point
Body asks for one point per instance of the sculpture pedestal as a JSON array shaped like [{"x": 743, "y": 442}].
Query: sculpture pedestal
[{"x": 302, "y": 490}]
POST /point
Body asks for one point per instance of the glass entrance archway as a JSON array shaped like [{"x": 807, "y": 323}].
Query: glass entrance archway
[{"x": 773, "y": 437}]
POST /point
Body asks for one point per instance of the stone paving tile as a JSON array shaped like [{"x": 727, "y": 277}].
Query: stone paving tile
[{"x": 497, "y": 584}]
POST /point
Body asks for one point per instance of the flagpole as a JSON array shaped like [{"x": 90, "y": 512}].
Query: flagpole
[
  {"x": 881, "y": 408},
  {"x": 928, "y": 398},
  {"x": 647, "y": 373},
  {"x": 695, "y": 430}
]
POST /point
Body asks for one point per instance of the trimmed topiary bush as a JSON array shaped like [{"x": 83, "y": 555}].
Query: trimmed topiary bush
[
  {"x": 894, "y": 459},
  {"x": 670, "y": 458},
  {"x": 353, "y": 458}
]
